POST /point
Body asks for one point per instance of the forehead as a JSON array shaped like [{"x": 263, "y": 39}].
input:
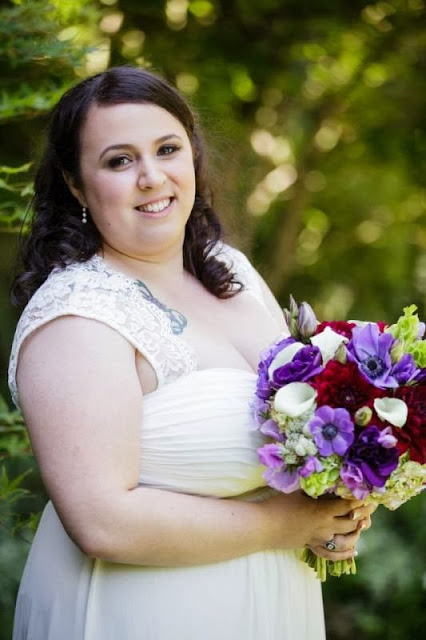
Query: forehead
[{"x": 127, "y": 123}]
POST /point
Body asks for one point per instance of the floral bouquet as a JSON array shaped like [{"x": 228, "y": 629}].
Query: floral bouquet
[{"x": 345, "y": 406}]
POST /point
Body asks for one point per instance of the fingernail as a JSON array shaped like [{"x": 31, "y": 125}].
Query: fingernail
[
  {"x": 363, "y": 526},
  {"x": 355, "y": 553},
  {"x": 356, "y": 515}
]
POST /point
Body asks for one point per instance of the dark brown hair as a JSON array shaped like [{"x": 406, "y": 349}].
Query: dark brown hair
[{"x": 57, "y": 235}]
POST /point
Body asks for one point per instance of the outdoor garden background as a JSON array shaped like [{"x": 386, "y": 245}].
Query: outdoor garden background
[{"x": 315, "y": 118}]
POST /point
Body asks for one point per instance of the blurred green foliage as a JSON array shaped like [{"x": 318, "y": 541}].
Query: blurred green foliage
[{"x": 315, "y": 123}]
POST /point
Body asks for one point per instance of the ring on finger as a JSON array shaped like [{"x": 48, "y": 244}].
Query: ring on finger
[{"x": 330, "y": 545}]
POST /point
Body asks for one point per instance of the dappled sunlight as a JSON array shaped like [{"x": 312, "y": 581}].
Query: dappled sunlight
[{"x": 177, "y": 13}]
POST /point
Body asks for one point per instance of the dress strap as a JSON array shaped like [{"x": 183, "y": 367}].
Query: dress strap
[{"x": 243, "y": 269}]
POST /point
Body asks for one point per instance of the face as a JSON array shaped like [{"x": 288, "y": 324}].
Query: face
[{"x": 137, "y": 179}]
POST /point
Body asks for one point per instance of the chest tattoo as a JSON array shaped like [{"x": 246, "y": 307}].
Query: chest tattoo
[{"x": 178, "y": 321}]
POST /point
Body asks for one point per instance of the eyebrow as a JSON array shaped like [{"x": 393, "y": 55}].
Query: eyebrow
[{"x": 129, "y": 145}]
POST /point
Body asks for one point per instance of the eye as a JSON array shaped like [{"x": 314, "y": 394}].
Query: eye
[
  {"x": 118, "y": 162},
  {"x": 168, "y": 149}
]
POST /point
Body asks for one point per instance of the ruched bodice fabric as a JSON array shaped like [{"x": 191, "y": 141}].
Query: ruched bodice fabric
[{"x": 198, "y": 435}]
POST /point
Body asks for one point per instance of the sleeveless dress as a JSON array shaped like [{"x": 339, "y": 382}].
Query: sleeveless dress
[{"x": 197, "y": 437}]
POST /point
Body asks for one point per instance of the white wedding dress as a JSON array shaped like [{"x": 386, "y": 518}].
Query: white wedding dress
[{"x": 197, "y": 437}]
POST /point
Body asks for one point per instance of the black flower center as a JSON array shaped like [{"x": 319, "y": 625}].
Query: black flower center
[
  {"x": 329, "y": 431},
  {"x": 373, "y": 366}
]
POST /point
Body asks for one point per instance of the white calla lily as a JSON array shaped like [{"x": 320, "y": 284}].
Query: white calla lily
[
  {"x": 328, "y": 341},
  {"x": 284, "y": 357},
  {"x": 294, "y": 399},
  {"x": 392, "y": 410}
]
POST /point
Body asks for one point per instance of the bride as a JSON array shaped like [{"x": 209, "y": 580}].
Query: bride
[{"x": 134, "y": 365}]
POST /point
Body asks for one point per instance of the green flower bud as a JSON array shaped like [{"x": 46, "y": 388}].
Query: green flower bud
[
  {"x": 341, "y": 353},
  {"x": 363, "y": 416}
]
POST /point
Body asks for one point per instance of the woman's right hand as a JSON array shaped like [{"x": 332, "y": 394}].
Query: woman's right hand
[{"x": 295, "y": 521}]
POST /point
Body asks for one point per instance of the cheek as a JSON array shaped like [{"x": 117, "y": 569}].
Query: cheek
[
  {"x": 188, "y": 180},
  {"x": 103, "y": 190}
]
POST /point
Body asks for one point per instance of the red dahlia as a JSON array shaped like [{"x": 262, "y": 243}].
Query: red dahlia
[
  {"x": 341, "y": 385},
  {"x": 412, "y": 436},
  {"x": 339, "y": 326}
]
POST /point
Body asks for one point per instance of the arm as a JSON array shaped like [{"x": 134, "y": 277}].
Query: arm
[{"x": 82, "y": 401}]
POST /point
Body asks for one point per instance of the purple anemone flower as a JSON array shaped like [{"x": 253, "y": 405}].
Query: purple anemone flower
[
  {"x": 370, "y": 350},
  {"x": 306, "y": 363},
  {"x": 332, "y": 429},
  {"x": 369, "y": 462}
]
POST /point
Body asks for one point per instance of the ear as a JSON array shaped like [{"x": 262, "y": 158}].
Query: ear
[{"x": 76, "y": 192}]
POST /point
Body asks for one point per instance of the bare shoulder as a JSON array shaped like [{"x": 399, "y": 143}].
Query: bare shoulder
[
  {"x": 271, "y": 303},
  {"x": 73, "y": 366},
  {"x": 71, "y": 342}
]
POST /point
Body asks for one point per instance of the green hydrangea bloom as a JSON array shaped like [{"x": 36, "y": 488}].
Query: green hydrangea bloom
[
  {"x": 405, "y": 482},
  {"x": 406, "y": 330},
  {"x": 319, "y": 482}
]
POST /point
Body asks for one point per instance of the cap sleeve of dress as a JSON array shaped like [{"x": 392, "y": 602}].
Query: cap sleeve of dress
[
  {"x": 89, "y": 290},
  {"x": 241, "y": 266}
]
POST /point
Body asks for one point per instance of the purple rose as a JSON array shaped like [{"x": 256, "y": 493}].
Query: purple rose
[
  {"x": 306, "y": 363},
  {"x": 260, "y": 409},
  {"x": 369, "y": 461},
  {"x": 264, "y": 388},
  {"x": 405, "y": 369},
  {"x": 420, "y": 377}
]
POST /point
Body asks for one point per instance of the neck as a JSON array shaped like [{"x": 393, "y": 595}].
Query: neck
[{"x": 155, "y": 268}]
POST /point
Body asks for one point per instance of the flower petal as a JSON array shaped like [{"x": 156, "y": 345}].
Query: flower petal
[
  {"x": 294, "y": 399},
  {"x": 392, "y": 410},
  {"x": 284, "y": 356},
  {"x": 328, "y": 341}
]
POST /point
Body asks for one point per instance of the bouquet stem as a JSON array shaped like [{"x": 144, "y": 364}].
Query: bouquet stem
[{"x": 322, "y": 566}]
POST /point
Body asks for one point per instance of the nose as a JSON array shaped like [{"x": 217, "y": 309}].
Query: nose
[{"x": 150, "y": 175}]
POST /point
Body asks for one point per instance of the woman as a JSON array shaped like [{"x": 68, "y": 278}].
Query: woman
[{"x": 135, "y": 361}]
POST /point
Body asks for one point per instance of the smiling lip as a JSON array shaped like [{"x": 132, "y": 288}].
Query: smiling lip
[{"x": 155, "y": 208}]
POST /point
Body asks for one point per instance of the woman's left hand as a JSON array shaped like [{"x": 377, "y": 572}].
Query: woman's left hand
[{"x": 347, "y": 542}]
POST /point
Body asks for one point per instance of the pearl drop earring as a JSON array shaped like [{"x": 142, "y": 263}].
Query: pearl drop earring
[{"x": 84, "y": 215}]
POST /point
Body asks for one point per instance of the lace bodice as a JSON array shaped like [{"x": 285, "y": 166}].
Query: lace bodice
[{"x": 93, "y": 290}]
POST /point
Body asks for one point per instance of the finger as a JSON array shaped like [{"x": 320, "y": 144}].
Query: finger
[
  {"x": 347, "y": 542},
  {"x": 344, "y": 526},
  {"x": 362, "y": 512},
  {"x": 343, "y": 508},
  {"x": 364, "y": 524},
  {"x": 321, "y": 551}
]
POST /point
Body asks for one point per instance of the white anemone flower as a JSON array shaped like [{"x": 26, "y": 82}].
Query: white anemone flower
[
  {"x": 392, "y": 410},
  {"x": 294, "y": 399},
  {"x": 328, "y": 341},
  {"x": 284, "y": 357}
]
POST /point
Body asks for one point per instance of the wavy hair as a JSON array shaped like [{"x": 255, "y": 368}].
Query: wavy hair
[{"x": 57, "y": 235}]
